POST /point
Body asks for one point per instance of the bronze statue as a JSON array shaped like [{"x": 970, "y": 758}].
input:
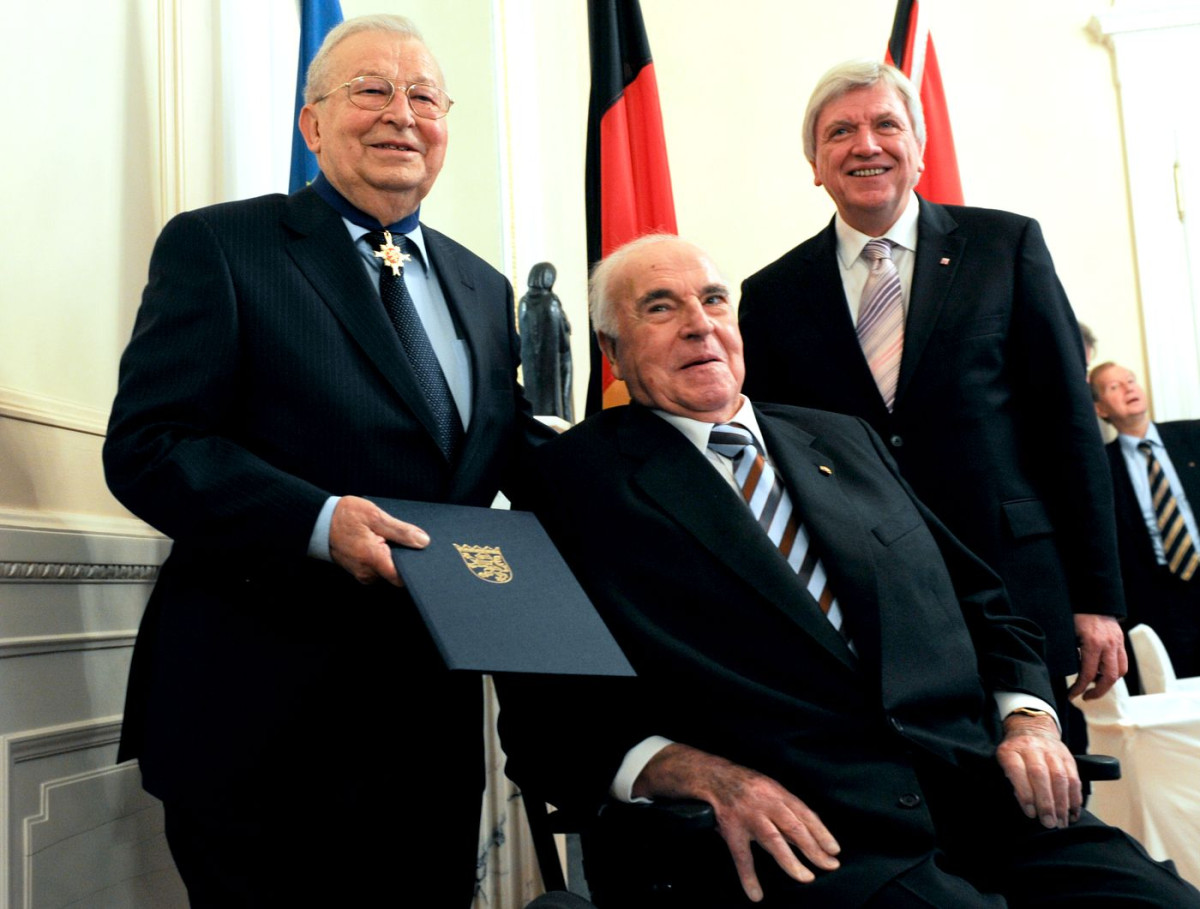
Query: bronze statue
[{"x": 545, "y": 346}]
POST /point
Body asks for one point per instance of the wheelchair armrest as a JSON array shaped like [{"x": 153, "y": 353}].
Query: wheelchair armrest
[
  {"x": 1098, "y": 768},
  {"x": 665, "y": 817}
]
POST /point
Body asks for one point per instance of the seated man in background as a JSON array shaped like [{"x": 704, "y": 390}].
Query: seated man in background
[
  {"x": 817, "y": 656},
  {"x": 1155, "y": 481}
]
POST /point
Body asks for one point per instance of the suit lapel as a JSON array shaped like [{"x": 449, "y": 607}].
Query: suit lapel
[
  {"x": 687, "y": 488},
  {"x": 823, "y": 296},
  {"x": 813, "y": 477},
  {"x": 471, "y": 317},
  {"x": 321, "y": 248},
  {"x": 937, "y": 242}
]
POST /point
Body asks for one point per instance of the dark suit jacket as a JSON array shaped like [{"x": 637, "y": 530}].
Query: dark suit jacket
[
  {"x": 262, "y": 377},
  {"x": 734, "y": 656},
  {"x": 993, "y": 425},
  {"x": 1169, "y": 606}
]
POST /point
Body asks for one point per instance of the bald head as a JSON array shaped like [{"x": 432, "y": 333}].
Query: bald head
[{"x": 665, "y": 320}]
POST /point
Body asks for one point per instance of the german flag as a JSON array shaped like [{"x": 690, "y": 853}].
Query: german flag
[
  {"x": 628, "y": 182},
  {"x": 910, "y": 50}
]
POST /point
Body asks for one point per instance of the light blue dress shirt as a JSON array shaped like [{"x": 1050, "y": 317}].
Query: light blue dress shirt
[{"x": 1136, "y": 462}]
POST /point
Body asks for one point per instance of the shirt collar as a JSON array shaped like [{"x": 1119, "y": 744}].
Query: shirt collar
[
  {"x": 698, "y": 431},
  {"x": 903, "y": 233},
  {"x": 1130, "y": 443},
  {"x": 357, "y": 232},
  {"x": 344, "y": 207}
]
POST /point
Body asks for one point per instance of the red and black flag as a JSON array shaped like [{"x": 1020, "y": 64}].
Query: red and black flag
[
  {"x": 628, "y": 181},
  {"x": 911, "y": 51}
]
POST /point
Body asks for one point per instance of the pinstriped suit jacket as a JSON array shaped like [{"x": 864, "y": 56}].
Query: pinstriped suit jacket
[{"x": 263, "y": 376}]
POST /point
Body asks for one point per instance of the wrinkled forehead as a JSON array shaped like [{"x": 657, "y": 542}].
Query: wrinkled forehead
[{"x": 668, "y": 267}]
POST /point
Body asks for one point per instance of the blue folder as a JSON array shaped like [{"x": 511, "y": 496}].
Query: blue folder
[{"x": 496, "y": 595}]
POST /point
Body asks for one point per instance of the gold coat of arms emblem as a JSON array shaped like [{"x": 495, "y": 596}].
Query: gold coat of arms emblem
[{"x": 485, "y": 562}]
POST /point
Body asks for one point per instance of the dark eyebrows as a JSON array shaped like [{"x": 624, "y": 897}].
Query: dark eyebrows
[
  {"x": 662, "y": 293},
  {"x": 658, "y": 293}
]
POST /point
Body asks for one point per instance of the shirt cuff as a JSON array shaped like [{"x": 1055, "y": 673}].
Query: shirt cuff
[
  {"x": 1008, "y": 701},
  {"x": 636, "y": 759},
  {"x": 318, "y": 543}
]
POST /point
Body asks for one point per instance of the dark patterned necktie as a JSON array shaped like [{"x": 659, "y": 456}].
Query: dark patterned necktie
[
  {"x": 881, "y": 319},
  {"x": 415, "y": 341},
  {"x": 771, "y": 506},
  {"x": 1177, "y": 543}
]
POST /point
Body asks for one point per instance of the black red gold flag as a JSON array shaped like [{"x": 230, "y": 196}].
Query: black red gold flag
[
  {"x": 628, "y": 182},
  {"x": 910, "y": 50}
]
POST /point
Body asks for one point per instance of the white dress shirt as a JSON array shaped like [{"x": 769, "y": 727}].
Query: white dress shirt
[{"x": 854, "y": 268}]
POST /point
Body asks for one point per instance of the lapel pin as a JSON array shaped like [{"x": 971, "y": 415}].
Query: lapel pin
[
  {"x": 944, "y": 262},
  {"x": 827, "y": 471},
  {"x": 392, "y": 256}
]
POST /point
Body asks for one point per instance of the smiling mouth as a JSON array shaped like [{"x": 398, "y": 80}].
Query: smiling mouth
[
  {"x": 701, "y": 362},
  {"x": 394, "y": 146},
  {"x": 868, "y": 172}
]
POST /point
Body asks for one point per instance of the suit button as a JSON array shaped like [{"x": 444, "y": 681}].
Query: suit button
[
  {"x": 896, "y": 441},
  {"x": 909, "y": 800}
]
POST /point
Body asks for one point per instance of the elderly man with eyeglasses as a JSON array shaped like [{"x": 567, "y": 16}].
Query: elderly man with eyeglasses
[{"x": 292, "y": 355}]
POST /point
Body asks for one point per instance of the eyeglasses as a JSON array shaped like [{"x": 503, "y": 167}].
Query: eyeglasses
[{"x": 376, "y": 93}]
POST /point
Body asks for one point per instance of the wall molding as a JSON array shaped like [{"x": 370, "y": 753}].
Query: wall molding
[
  {"x": 76, "y": 573},
  {"x": 1126, "y": 18},
  {"x": 36, "y": 744},
  {"x": 48, "y": 741},
  {"x": 47, "y": 411},
  {"x": 40, "y": 645},
  {"x": 63, "y": 524}
]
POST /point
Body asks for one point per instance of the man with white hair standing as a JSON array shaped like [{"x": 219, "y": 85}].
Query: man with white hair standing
[
  {"x": 946, "y": 329},
  {"x": 293, "y": 355}
]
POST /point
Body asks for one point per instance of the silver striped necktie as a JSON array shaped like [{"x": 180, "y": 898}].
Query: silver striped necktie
[
  {"x": 881, "y": 319},
  {"x": 769, "y": 502}
]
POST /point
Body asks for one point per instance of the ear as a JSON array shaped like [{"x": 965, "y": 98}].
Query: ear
[
  {"x": 309, "y": 128},
  {"x": 816, "y": 176},
  {"x": 608, "y": 347}
]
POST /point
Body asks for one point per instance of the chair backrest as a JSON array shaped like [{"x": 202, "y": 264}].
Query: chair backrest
[
  {"x": 1110, "y": 708},
  {"x": 1154, "y": 665}
]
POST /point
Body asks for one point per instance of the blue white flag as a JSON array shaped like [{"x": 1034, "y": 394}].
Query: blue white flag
[{"x": 317, "y": 17}]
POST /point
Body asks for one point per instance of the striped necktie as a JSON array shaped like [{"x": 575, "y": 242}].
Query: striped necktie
[
  {"x": 413, "y": 338},
  {"x": 1177, "y": 543},
  {"x": 881, "y": 319},
  {"x": 769, "y": 502}
]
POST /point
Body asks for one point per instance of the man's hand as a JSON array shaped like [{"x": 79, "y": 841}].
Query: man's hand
[
  {"x": 750, "y": 808},
  {"x": 358, "y": 540},
  {"x": 1102, "y": 656},
  {"x": 1041, "y": 770}
]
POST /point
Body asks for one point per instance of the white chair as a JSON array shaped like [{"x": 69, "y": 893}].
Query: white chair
[
  {"x": 1156, "y": 737},
  {"x": 1154, "y": 665}
]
